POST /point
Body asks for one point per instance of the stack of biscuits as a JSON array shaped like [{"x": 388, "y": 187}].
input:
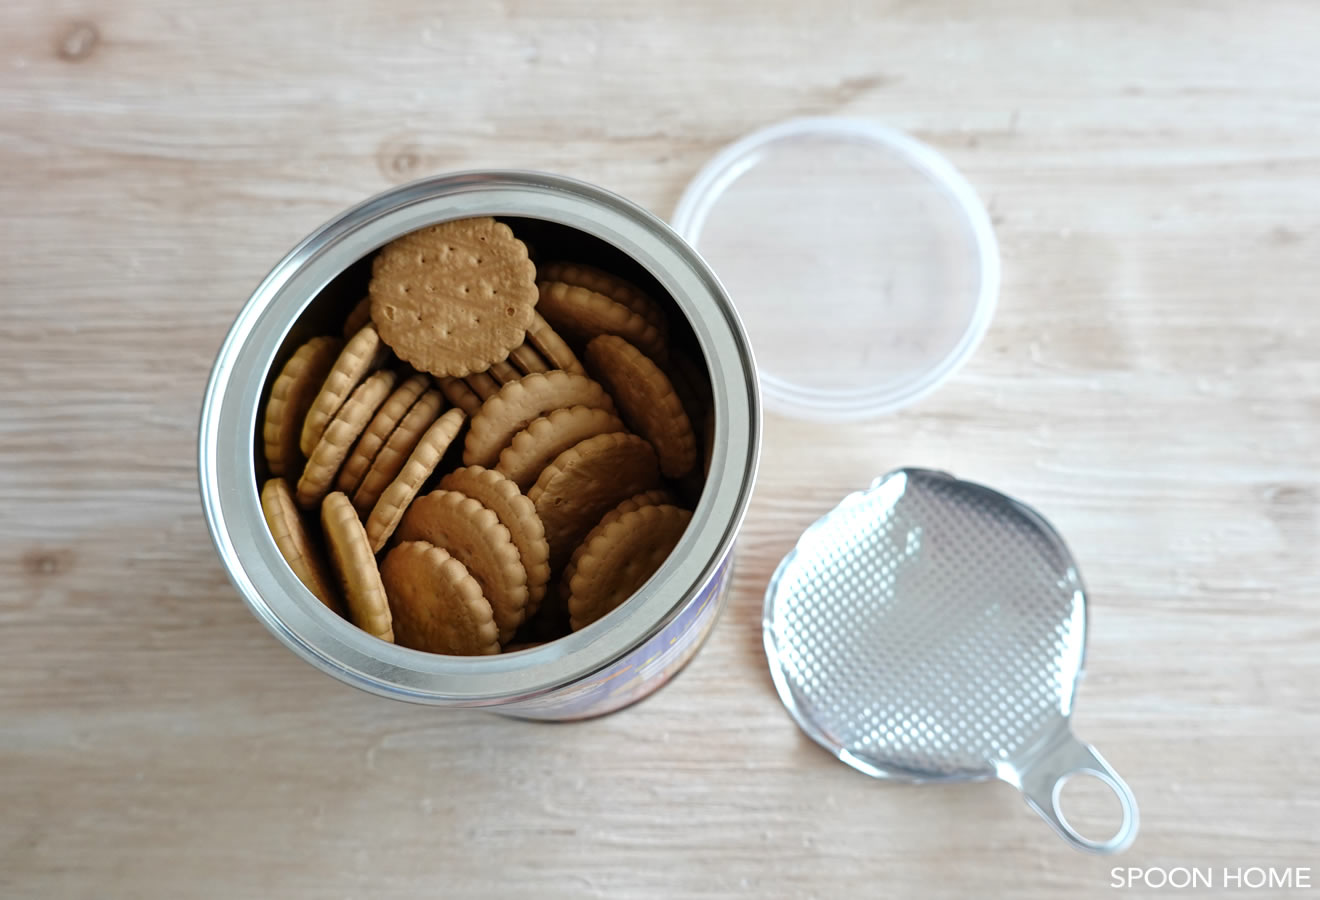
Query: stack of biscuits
[{"x": 489, "y": 454}]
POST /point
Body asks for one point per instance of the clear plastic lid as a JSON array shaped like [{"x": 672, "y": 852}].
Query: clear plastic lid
[{"x": 862, "y": 263}]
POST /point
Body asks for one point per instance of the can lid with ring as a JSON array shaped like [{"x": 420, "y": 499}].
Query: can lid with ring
[{"x": 862, "y": 263}]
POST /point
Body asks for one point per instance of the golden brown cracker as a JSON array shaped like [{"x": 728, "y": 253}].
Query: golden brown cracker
[
  {"x": 453, "y": 298},
  {"x": 357, "y": 317},
  {"x": 436, "y": 604},
  {"x": 580, "y": 315},
  {"x": 474, "y": 536},
  {"x": 646, "y": 401},
  {"x": 391, "y": 458},
  {"x": 355, "y": 564},
  {"x": 617, "y": 289},
  {"x": 482, "y": 385},
  {"x": 521, "y": 401},
  {"x": 525, "y": 357},
  {"x": 516, "y": 513},
  {"x": 537, "y": 445},
  {"x": 333, "y": 448},
  {"x": 503, "y": 372},
  {"x": 459, "y": 394},
  {"x": 295, "y": 543},
  {"x": 586, "y": 481},
  {"x": 382, "y": 425},
  {"x": 619, "y": 558},
  {"x": 291, "y": 397},
  {"x": 657, "y": 497},
  {"x": 553, "y": 348},
  {"x": 362, "y": 355},
  {"x": 394, "y": 500}
]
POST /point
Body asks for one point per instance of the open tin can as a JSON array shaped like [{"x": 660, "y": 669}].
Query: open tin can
[{"x": 613, "y": 662}]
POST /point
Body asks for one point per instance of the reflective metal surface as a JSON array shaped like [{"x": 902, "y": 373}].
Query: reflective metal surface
[
  {"x": 267, "y": 325},
  {"x": 934, "y": 629}
]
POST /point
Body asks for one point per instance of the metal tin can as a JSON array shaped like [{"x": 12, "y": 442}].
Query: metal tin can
[{"x": 610, "y": 664}]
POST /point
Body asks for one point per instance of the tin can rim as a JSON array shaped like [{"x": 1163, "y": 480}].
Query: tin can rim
[{"x": 229, "y": 416}]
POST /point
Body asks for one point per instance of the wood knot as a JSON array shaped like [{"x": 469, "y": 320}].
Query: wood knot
[
  {"x": 47, "y": 562},
  {"x": 400, "y": 161},
  {"x": 77, "y": 42}
]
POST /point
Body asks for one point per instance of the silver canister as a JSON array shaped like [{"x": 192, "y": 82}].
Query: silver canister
[{"x": 610, "y": 664}]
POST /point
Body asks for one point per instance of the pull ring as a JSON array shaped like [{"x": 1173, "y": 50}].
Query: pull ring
[{"x": 1042, "y": 782}]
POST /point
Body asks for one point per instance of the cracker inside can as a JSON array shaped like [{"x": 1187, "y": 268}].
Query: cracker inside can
[{"x": 608, "y": 664}]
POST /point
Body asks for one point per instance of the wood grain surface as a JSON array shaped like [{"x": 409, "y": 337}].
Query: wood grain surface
[{"x": 1151, "y": 382}]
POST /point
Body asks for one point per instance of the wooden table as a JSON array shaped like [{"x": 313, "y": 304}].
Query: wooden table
[{"x": 1151, "y": 382}]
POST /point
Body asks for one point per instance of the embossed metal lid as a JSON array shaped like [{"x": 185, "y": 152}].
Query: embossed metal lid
[
  {"x": 934, "y": 629},
  {"x": 861, "y": 262}
]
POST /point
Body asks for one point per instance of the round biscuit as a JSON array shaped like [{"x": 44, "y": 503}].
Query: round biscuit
[
  {"x": 580, "y": 315},
  {"x": 657, "y": 497},
  {"x": 646, "y": 400},
  {"x": 382, "y": 425},
  {"x": 553, "y": 348},
  {"x": 617, "y": 289},
  {"x": 585, "y": 482},
  {"x": 355, "y": 564},
  {"x": 357, "y": 317},
  {"x": 395, "y": 499},
  {"x": 333, "y": 448},
  {"x": 436, "y": 604},
  {"x": 516, "y": 513},
  {"x": 454, "y": 297},
  {"x": 503, "y": 372},
  {"x": 618, "y": 560},
  {"x": 525, "y": 357},
  {"x": 391, "y": 458},
  {"x": 482, "y": 385},
  {"x": 537, "y": 445},
  {"x": 474, "y": 536},
  {"x": 362, "y": 355},
  {"x": 459, "y": 394},
  {"x": 295, "y": 543},
  {"x": 291, "y": 396},
  {"x": 521, "y": 401}
]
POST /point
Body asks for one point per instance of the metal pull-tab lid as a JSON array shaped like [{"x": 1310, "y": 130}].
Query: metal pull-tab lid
[{"x": 934, "y": 629}]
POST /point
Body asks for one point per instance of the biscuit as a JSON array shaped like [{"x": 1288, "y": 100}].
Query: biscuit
[
  {"x": 295, "y": 544},
  {"x": 516, "y": 513},
  {"x": 436, "y": 604},
  {"x": 362, "y": 355},
  {"x": 387, "y": 418},
  {"x": 482, "y": 385},
  {"x": 658, "y": 497},
  {"x": 692, "y": 384},
  {"x": 557, "y": 354},
  {"x": 474, "y": 536},
  {"x": 357, "y": 317},
  {"x": 291, "y": 397},
  {"x": 521, "y": 401},
  {"x": 537, "y": 445},
  {"x": 585, "y": 482},
  {"x": 394, "y": 500},
  {"x": 580, "y": 315},
  {"x": 525, "y": 357},
  {"x": 390, "y": 458},
  {"x": 355, "y": 565},
  {"x": 455, "y": 297},
  {"x": 503, "y": 372},
  {"x": 459, "y": 394},
  {"x": 612, "y": 286},
  {"x": 618, "y": 559},
  {"x": 334, "y": 446},
  {"x": 646, "y": 401}
]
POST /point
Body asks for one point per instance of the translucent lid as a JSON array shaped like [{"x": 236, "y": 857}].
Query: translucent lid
[{"x": 862, "y": 263}]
